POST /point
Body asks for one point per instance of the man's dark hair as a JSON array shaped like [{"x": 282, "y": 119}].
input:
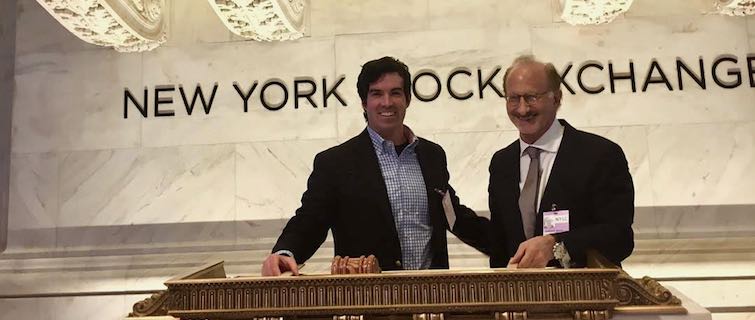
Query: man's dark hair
[{"x": 373, "y": 70}]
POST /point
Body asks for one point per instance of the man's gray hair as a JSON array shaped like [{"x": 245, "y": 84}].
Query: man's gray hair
[{"x": 554, "y": 79}]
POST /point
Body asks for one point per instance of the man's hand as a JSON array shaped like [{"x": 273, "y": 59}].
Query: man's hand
[
  {"x": 534, "y": 253},
  {"x": 275, "y": 264}
]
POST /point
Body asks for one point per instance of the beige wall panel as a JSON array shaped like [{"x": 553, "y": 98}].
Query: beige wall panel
[
  {"x": 271, "y": 177},
  {"x": 703, "y": 164},
  {"x": 155, "y": 185}
]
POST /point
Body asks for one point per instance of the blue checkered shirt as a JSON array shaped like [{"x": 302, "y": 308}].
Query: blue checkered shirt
[{"x": 408, "y": 197}]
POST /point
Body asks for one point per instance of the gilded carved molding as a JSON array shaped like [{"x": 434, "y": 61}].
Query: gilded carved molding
[
  {"x": 422, "y": 295},
  {"x": 736, "y": 7},
  {"x": 263, "y": 20},
  {"x": 587, "y": 12},
  {"x": 594, "y": 293},
  {"x": 126, "y": 25}
]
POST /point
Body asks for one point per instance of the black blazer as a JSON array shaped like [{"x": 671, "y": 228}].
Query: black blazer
[
  {"x": 590, "y": 178},
  {"x": 346, "y": 193}
]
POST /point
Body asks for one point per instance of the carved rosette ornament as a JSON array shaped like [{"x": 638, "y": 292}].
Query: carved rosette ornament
[
  {"x": 585, "y": 12},
  {"x": 126, "y": 25},
  {"x": 736, "y": 7},
  {"x": 263, "y": 20}
]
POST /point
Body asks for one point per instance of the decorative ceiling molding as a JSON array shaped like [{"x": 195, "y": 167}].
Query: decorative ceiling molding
[
  {"x": 263, "y": 20},
  {"x": 126, "y": 25},
  {"x": 736, "y": 7},
  {"x": 586, "y": 12}
]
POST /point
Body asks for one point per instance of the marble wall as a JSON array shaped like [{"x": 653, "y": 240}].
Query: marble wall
[
  {"x": 7, "y": 58},
  {"x": 90, "y": 189},
  {"x": 78, "y": 162}
]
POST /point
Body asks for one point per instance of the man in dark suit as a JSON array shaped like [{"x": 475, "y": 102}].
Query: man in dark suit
[
  {"x": 555, "y": 171},
  {"x": 381, "y": 192}
]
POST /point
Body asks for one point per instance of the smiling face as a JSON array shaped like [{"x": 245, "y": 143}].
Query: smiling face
[
  {"x": 385, "y": 107},
  {"x": 531, "y": 119}
]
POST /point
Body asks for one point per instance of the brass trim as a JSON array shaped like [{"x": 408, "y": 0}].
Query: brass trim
[
  {"x": 592, "y": 315},
  {"x": 511, "y": 315},
  {"x": 428, "y": 316}
]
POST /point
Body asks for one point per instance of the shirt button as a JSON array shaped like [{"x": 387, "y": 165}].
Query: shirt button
[{"x": 398, "y": 263}]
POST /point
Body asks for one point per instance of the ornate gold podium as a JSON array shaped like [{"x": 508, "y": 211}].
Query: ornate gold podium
[{"x": 593, "y": 293}]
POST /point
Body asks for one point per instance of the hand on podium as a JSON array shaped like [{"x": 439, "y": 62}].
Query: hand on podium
[
  {"x": 533, "y": 253},
  {"x": 277, "y": 264}
]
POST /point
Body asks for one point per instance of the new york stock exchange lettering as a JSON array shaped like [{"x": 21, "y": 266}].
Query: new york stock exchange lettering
[{"x": 462, "y": 83}]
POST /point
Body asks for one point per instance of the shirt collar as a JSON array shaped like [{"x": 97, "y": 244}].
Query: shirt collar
[
  {"x": 550, "y": 140},
  {"x": 382, "y": 145}
]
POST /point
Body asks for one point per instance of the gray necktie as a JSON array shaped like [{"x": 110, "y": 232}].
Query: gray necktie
[{"x": 528, "y": 196}]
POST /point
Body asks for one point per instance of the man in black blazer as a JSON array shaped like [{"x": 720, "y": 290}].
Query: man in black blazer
[
  {"x": 381, "y": 192},
  {"x": 574, "y": 171}
]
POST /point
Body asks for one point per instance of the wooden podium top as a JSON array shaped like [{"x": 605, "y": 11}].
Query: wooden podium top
[{"x": 592, "y": 293}]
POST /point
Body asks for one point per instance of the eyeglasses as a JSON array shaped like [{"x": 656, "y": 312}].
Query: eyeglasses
[{"x": 528, "y": 98}]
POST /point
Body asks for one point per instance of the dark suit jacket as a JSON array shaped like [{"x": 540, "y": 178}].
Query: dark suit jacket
[
  {"x": 590, "y": 178},
  {"x": 346, "y": 193}
]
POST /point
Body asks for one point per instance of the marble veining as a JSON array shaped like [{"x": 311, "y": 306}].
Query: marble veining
[
  {"x": 33, "y": 191},
  {"x": 147, "y": 186},
  {"x": 703, "y": 163},
  {"x": 53, "y": 111},
  {"x": 271, "y": 177}
]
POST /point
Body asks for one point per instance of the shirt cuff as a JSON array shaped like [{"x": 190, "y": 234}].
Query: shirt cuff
[{"x": 286, "y": 253}]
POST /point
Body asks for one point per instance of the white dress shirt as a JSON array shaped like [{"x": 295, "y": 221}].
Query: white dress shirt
[{"x": 549, "y": 144}]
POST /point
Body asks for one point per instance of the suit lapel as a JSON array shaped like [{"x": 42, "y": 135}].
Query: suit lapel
[
  {"x": 368, "y": 168},
  {"x": 515, "y": 162},
  {"x": 554, "y": 189},
  {"x": 430, "y": 166},
  {"x": 512, "y": 165}
]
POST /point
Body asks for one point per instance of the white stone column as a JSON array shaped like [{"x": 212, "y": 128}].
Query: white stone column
[{"x": 7, "y": 64}]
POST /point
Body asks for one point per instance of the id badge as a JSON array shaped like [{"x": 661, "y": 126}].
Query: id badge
[{"x": 555, "y": 221}]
